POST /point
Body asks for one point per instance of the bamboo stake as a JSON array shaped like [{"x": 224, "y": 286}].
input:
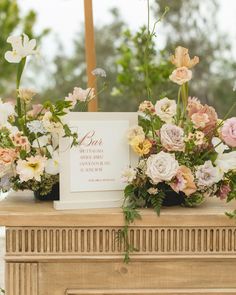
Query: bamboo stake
[{"x": 90, "y": 51}]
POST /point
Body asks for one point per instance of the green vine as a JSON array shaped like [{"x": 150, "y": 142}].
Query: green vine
[{"x": 231, "y": 215}]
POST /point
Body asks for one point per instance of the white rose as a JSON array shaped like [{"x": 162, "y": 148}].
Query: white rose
[
  {"x": 172, "y": 137},
  {"x": 128, "y": 175},
  {"x": 207, "y": 174},
  {"x": 162, "y": 167},
  {"x": 226, "y": 162},
  {"x": 166, "y": 109}
]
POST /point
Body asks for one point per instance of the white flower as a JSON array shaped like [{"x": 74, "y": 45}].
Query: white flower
[
  {"x": 52, "y": 166},
  {"x": 6, "y": 110},
  {"x": 99, "y": 72},
  {"x": 81, "y": 95},
  {"x": 128, "y": 175},
  {"x": 41, "y": 141},
  {"x": 135, "y": 132},
  {"x": 172, "y": 137},
  {"x": 166, "y": 109},
  {"x": 162, "y": 167},
  {"x": 31, "y": 168},
  {"x": 226, "y": 162},
  {"x": 207, "y": 174},
  {"x": 21, "y": 47},
  {"x": 152, "y": 191},
  {"x": 26, "y": 94},
  {"x": 51, "y": 126},
  {"x": 36, "y": 126},
  {"x": 219, "y": 146}
]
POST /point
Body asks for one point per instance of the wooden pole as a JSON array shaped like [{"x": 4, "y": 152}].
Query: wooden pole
[{"x": 90, "y": 51}]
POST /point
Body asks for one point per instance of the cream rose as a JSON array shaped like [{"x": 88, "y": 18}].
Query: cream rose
[
  {"x": 136, "y": 132},
  {"x": 181, "y": 75},
  {"x": 172, "y": 137},
  {"x": 161, "y": 167},
  {"x": 166, "y": 109}
]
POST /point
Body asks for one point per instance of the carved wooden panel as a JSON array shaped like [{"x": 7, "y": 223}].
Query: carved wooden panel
[
  {"x": 22, "y": 279},
  {"x": 103, "y": 241}
]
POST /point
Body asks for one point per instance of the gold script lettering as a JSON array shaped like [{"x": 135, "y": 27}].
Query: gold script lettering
[{"x": 89, "y": 140}]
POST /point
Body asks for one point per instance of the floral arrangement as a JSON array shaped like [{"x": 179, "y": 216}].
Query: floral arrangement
[
  {"x": 186, "y": 153},
  {"x": 29, "y": 133}
]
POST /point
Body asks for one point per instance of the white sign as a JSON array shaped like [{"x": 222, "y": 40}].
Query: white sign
[{"x": 91, "y": 172}]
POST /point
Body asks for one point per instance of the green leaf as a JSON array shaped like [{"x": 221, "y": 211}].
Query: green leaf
[
  {"x": 157, "y": 202},
  {"x": 129, "y": 190},
  {"x": 23, "y": 154}
]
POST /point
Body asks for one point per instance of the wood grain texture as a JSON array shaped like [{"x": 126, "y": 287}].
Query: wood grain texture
[
  {"x": 26, "y": 211},
  {"x": 157, "y": 275},
  {"x": 21, "y": 278}
]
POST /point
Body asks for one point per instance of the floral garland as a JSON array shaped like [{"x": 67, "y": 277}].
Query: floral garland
[
  {"x": 29, "y": 133},
  {"x": 185, "y": 152}
]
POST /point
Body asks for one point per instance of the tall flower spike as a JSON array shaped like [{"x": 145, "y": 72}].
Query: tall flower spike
[{"x": 182, "y": 58}]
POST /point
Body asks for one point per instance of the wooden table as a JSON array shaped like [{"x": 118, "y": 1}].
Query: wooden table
[{"x": 185, "y": 251}]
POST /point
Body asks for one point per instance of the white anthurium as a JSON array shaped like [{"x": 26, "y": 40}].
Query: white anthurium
[
  {"x": 226, "y": 162},
  {"x": 41, "y": 141},
  {"x": 22, "y": 46},
  {"x": 6, "y": 110},
  {"x": 219, "y": 146},
  {"x": 53, "y": 165}
]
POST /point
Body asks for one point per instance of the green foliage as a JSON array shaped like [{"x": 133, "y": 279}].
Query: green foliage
[
  {"x": 231, "y": 215},
  {"x": 133, "y": 64},
  {"x": 194, "y": 200},
  {"x": 130, "y": 214},
  {"x": 2, "y": 291},
  {"x": 43, "y": 187},
  {"x": 157, "y": 201}
]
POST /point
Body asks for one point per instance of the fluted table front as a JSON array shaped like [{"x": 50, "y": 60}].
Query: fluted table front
[{"x": 185, "y": 251}]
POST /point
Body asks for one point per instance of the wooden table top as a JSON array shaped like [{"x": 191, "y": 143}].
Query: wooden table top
[{"x": 25, "y": 211}]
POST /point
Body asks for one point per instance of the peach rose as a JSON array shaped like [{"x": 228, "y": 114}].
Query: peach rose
[
  {"x": 7, "y": 156},
  {"x": 228, "y": 132},
  {"x": 182, "y": 58},
  {"x": 181, "y": 75},
  {"x": 197, "y": 110},
  {"x": 199, "y": 120},
  {"x": 146, "y": 106},
  {"x": 184, "y": 181}
]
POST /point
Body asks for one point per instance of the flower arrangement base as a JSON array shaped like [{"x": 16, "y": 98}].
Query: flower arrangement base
[
  {"x": 54, "y": 195},
  {"x": 173, "y": 199}
]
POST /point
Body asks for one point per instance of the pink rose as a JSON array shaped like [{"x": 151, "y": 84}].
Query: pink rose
[
  {"x": 228, "y": 132},
  {"x": 223, "y": 191},
  {"x": 181, "y": 75}
]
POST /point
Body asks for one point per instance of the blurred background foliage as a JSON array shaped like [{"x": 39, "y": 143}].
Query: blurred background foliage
[{"x": 120, "y": 52}]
